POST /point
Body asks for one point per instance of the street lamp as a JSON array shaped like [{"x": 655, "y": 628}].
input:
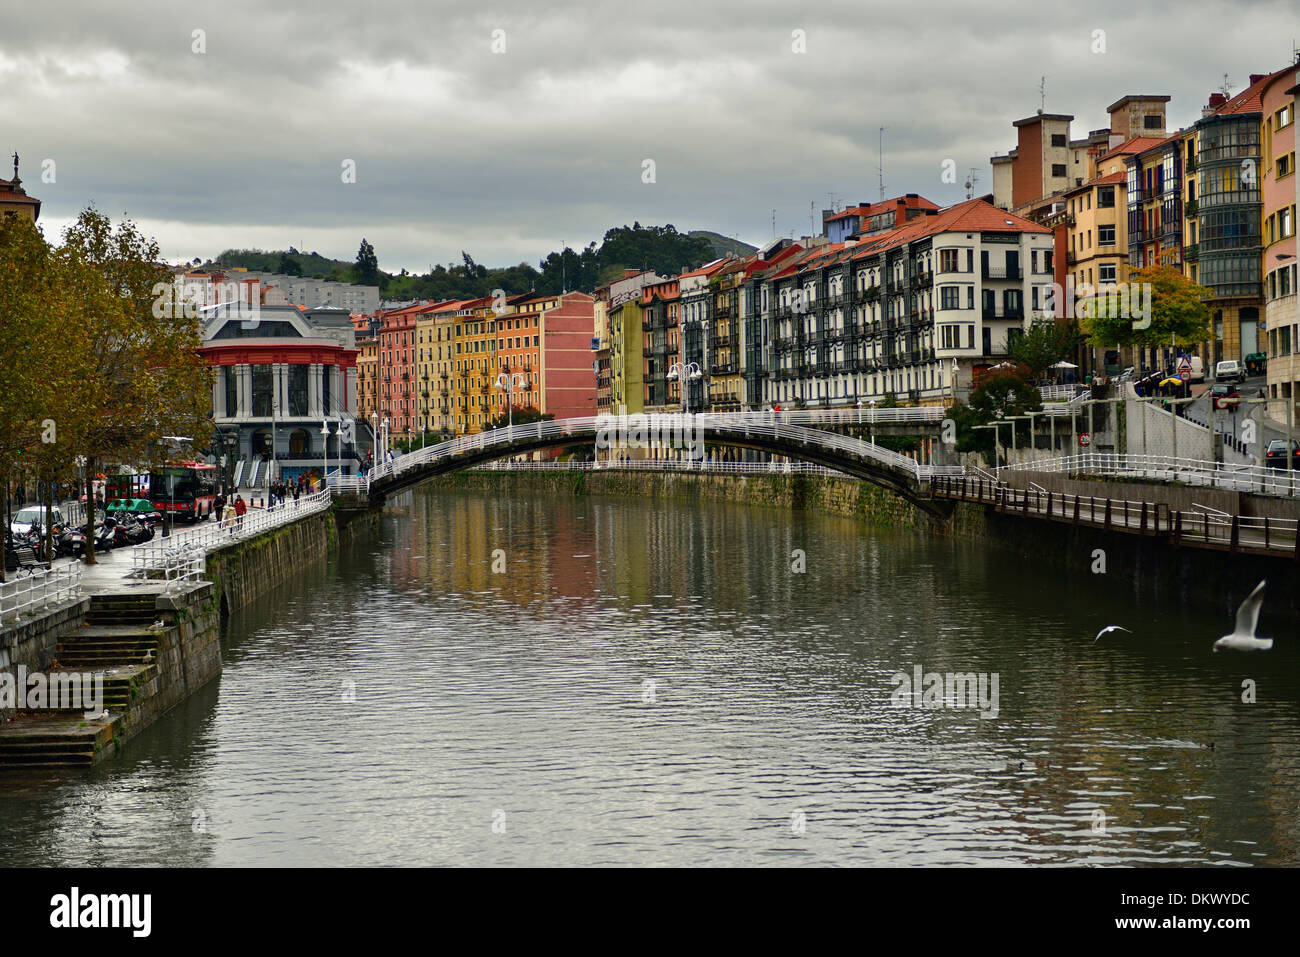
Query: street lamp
[
  {"x": 872, "y": 403},
  {"x": 508, "y": 381},
  {"x": 686, "y": 372},
  {"x": 325, "y": 441}
]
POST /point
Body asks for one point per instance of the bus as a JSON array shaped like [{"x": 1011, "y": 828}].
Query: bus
[{"x": 185, "y": 490}]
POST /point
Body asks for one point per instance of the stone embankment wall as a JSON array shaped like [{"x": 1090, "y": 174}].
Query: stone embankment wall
[
  {"x": 246, "y": 570},
  {"x": 32, "y": 643}
]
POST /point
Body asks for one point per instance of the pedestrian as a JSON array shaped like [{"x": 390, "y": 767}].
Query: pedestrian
[
  {"x": 297, "y": 493},
  {"x": 240, "y": 509}
]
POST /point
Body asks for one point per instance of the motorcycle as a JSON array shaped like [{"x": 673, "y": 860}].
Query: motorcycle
[
  {"x": 136, "y": 532},
  {"x": 69, "y": 541},
  {"x": 104, "y": 536}
]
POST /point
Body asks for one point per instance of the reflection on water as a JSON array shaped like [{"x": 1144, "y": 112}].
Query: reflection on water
[{"x": 654, "y": 683}]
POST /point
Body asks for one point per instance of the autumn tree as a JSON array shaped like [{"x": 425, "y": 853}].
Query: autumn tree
[
  {"x": 1156, "y": 306},
  {"x": 132, "y": 370}
]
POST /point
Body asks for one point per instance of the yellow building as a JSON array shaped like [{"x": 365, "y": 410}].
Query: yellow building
[
  {"x": 627, "y": 387},
  {"x": 724, "y": 338},
  {"x": 476, "y": 366}
]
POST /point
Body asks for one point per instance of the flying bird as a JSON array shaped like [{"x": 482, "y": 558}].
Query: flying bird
[
  {"x": 1108, "y": 629},
  {"x": 1243, "y": 636}
]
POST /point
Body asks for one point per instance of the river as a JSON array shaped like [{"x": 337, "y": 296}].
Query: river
[{"x": 651, "y": 683}]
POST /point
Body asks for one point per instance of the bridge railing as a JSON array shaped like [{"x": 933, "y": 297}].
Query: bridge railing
[
  {"x": 774, "y": 425},
  {"x": 1240, "y": 478},
  {"x": 664, "y": 465},
  {"x": 43, "y": 588}
]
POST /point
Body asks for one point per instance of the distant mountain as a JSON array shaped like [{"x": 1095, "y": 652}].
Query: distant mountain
[{"x": 724, "y": 244}]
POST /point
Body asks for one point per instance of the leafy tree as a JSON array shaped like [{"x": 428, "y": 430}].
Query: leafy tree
[
  {"x": 522, "y": 414},
  {"x": 133, "y": 374},
  {"x": 288, "y": 266},
  {"x": 1045, "y": 344},
  {"x": 366, "y": 272},
  {"x": 1178, "y": 312},
  {"x": 999, "y": 395}
]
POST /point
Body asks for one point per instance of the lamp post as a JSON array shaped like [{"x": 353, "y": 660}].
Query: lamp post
[
  {"x": 325, "y": 442},
  {"x": 684, "y": 373},
  {"x": 508, "y": 381},
  {"x": 872, "y": 403}
]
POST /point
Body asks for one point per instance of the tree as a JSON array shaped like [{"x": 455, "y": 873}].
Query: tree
[
  {"x": 522, "y": 414},
  {"x": 1045, "y": 344},
  {"x": 1177, "y": 311},
  {"x": 999, "y": 395},
  {"x": 133, "y": 374},
  {"x": 288, "y": 266},
  {"x": 367, "y": 267}
]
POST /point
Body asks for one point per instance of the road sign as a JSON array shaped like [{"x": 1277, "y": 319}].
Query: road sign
[
  {"x": 1085, "y": 439},
  {"x": 1225, "y": 401}
]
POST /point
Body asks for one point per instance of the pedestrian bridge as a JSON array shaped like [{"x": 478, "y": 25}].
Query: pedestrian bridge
[{"x": 789, "y": 434}]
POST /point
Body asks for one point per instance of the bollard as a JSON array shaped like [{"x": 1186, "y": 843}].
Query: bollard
[{"x": 1233, "y": 541}]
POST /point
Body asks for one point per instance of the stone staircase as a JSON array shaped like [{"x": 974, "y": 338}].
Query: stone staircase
[{"x": 117, "y": 639}]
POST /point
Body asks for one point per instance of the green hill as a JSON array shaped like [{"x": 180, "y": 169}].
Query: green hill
[
  {"x": 724, "y": 244},
  {"x": 311, "y": 264}
]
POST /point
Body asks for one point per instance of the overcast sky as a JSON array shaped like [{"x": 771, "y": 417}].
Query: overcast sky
[{"x": 509, "y": 154}]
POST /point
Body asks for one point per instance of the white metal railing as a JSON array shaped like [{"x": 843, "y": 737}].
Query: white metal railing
[
  {"x": 663, "y": 465},
  {"x": 175, "y": 556},
  {"x": 1240, "y": 478},
  {"x": 774, "y": 425},
  {"x": 1058, "y": 393},
  {"x": 43, "y": 588}
]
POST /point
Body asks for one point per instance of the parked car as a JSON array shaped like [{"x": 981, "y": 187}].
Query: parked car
[
  {"x": 1224, "y": 396},
  {"x": 1275, "y": 454},
  {"x": 1198, "y": 369},
  {"x": 1229, "y": 370},
  {"x": 33, "y": 515}
]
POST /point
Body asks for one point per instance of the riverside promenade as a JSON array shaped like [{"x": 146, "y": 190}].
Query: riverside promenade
[{"x": 136, "y": 633}]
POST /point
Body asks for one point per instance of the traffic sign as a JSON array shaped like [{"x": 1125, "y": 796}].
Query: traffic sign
[
  {"x": 1185, "y": 375},
  {"x": 1185, "y": 364},
  {"x": 1085, "y": 439}
]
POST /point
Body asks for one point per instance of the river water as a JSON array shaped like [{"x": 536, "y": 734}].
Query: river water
[{"x": 643, "y": 683}]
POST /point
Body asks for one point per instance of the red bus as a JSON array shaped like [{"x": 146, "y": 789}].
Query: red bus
[{"x": 185, "y": 489}]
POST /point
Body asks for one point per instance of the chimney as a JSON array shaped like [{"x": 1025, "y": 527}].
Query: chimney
[
  {"x": 1256, "y": 77},
  {"x": 629, "y": 273},
  {"x": 1216, "y": 100}
]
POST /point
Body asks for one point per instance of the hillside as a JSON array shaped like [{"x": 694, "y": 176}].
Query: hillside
[
  {"x": 724, "y": 244},
  {"x": 269, "y": 260}
]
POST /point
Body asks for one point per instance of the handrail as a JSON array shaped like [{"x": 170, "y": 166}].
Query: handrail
[{"x": 44, "y": 587}]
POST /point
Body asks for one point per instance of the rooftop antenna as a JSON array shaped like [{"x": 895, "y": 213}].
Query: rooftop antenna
[
  {"x": 774, "y": 224},
  {"x": 881, "y": 167},
  {"x": 971, "y": 180},
  {"x": 1226, "y": 89},
  {"x": 1042, "y": 95}
]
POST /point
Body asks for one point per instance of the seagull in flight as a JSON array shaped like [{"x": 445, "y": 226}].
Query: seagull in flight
[
  {"x": 1243, "y": 635},
  {"x": 1108, "y": 629}
]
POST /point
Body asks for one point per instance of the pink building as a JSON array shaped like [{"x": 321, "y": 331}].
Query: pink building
[{"x": 568, "y": 381}]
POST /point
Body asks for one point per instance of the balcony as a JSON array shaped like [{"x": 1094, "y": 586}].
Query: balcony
[
  {"x": 1192, "y": 252},
  {"x": 1071, "y": 259},
  {"x": 924, "y": 278},
  {"x": 1002, "y": 272},
  {"x": 1189, "y": 208}
]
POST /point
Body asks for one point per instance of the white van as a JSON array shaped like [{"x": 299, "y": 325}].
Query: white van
[
  {"x": 1229, "y": 370},
  {"x": 1198, "y": 369}
]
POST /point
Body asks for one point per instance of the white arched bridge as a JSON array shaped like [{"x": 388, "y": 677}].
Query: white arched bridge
[{"x": 800, "y": 435}]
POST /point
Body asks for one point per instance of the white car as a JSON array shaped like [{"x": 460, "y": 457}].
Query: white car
[
  {"x": 1229, "y": 370},
  {"x": 32, "y": 515}
]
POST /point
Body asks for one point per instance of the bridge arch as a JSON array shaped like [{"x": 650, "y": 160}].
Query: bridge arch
[{"x": 772, "y": 433}]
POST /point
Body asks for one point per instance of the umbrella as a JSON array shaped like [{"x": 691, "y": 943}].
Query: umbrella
[
  {"x": 1172, "y": 380},
  {"x": 1063, "y": 365}
]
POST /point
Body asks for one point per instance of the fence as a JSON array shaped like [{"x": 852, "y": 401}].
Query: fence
[
  {"x": 182, "y": 556},
  {"x": 664, "y": 465},
  {"x": 1239, "y": 478},
  {"x": 1200, "y": 525},
  {"x": 43, "y": 588}
]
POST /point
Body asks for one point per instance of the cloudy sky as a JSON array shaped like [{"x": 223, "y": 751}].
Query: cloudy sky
[{"x": 238, "y": 135}]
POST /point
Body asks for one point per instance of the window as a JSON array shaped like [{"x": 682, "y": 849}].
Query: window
[
  {"x": 1058, "y": 139},
  {"x": 1285, "y": 116},
  {"x": 1285, "y": 165},
  {"x": 1105, "y": 235},
  {"x": 1152, "y": 121},
  {"x": 949, "y": 297},
  {"x": 1105, "y": 197},
  {"x": 1106, "y": 272},
  {"x": 1058, "y": 169},
  {"x": 947, "y": 260}
]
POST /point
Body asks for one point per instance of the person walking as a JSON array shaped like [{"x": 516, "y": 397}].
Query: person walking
[
  {"x": 297, "y": 493},
  {"x": 240, "y": 508}
]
